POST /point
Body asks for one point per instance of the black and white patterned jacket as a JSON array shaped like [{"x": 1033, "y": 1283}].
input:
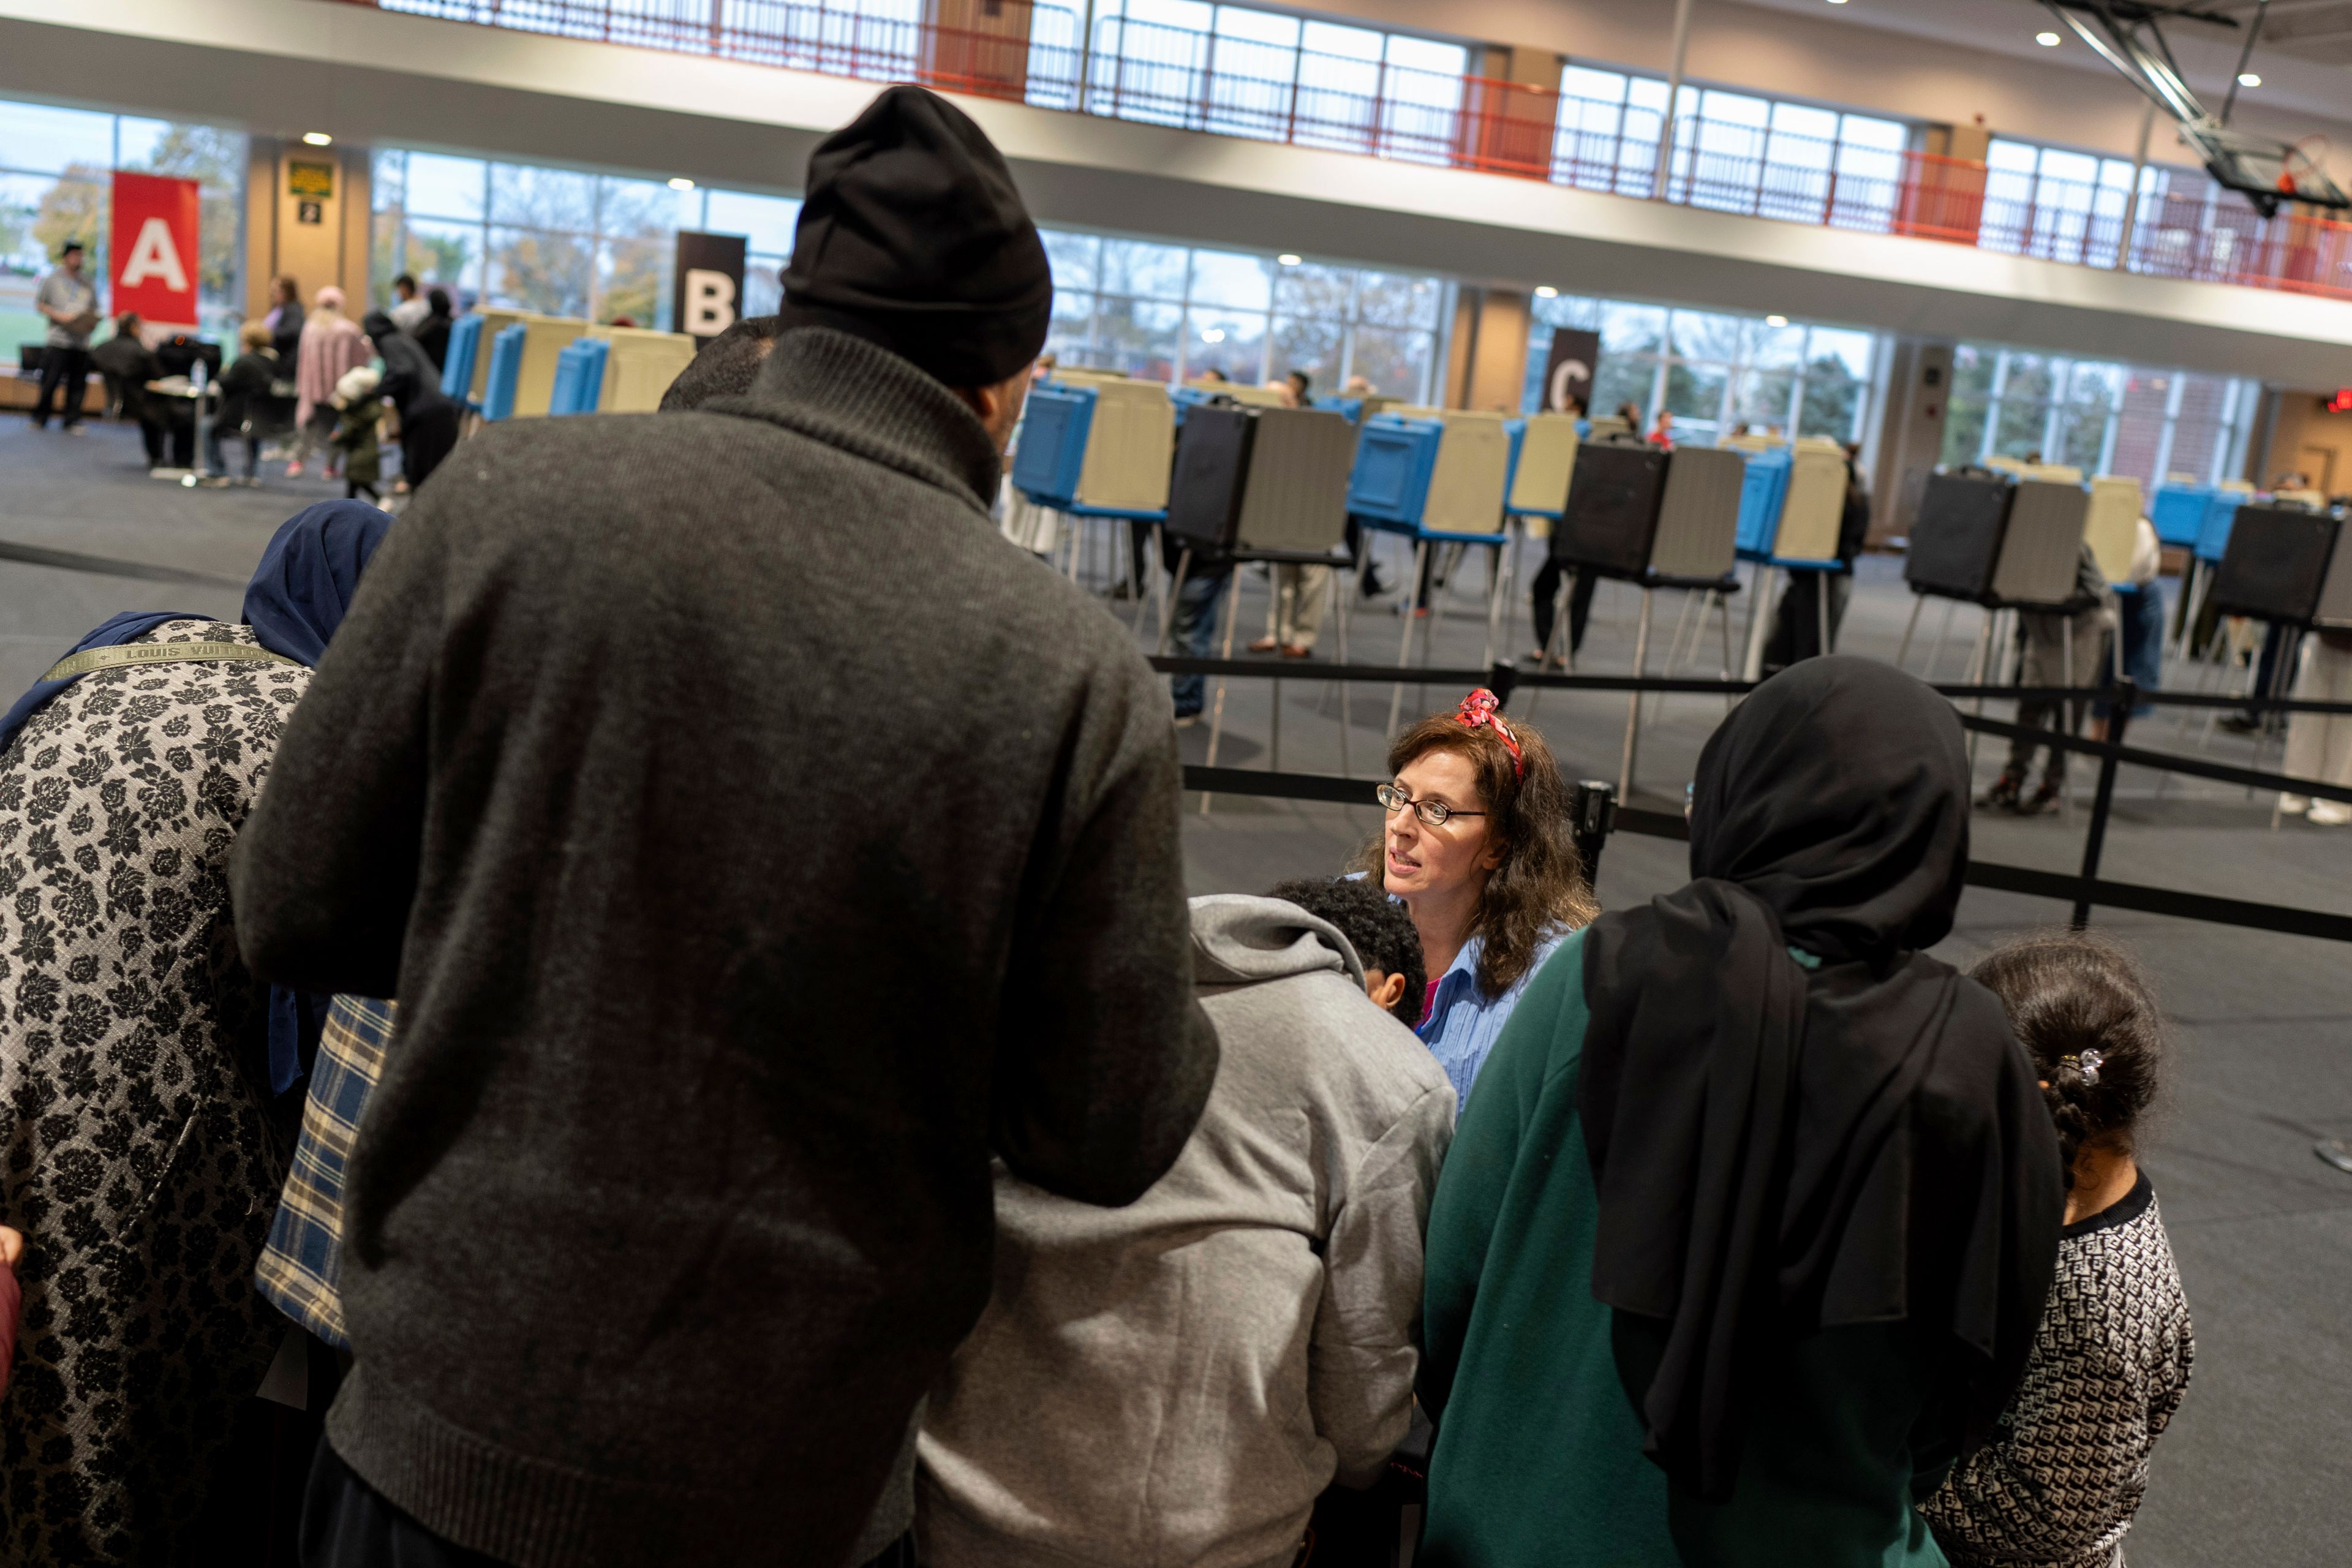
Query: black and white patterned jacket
[{"x": 2059, "y": 1483}]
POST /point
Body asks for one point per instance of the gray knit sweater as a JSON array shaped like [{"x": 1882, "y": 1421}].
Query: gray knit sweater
[
  {"x": 1171, "y": 1384},
  {"x": 755, "y": 842}
]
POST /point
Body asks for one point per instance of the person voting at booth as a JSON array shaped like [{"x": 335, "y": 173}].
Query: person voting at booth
[
  {"x": 757, "y": 846},
  {"x": 2045, "y": 658}
]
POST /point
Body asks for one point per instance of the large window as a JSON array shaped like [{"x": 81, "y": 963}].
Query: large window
[
  {"x": 1174, "y": 313},
  {"x": 1241, "y": 71},
  {"x": 56, "y": 184},
  {"x": 1716, "y": 374},
  {"x": 594, "y": 246},
  {"x": 2099, "y": 416},
  {"x": 1733, "y": 150}
]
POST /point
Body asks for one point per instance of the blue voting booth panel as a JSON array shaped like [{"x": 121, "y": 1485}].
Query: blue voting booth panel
[
  {"x": 1394, "y": 460},
  {"x": 1186, "y": 397},
  {"x": 2178, "y": 512},
  {"x": 578, "y": 378},
  {"x": 1514, "y": 431},
  {"x": 2221, "y": 514},
  {"x": 1761, "y": 496},
  {"x": 506, "y": 368},
  {"x": 1052, "y": 451},
  {"x": 457, "y": 360},
  {"x": 1353, "y": 408}
]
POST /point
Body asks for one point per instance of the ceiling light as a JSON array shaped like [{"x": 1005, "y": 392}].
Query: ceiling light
[
  {"x": 1837, "y": 2},
  {"x": 1213, "y": 335},
  {"x": 2047, "y": 40},
  {"x": 318, "y": 138},
  {"x": 2248, "y": 78},
  {"x": 1287, "y": 259},
  {"x": 1776, "y": 320},
  {"x": 681, "y": 184},
  {"x": 1547, "y": 292}
]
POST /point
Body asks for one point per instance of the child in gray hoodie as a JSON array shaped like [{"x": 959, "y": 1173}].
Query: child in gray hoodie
[{"x": 1174, "y": 1381}]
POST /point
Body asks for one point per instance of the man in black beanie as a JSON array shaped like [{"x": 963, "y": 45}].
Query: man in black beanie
[{"x": 756, "y": 842}]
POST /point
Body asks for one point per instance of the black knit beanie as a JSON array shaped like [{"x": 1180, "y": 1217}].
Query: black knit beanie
[{"x": 913, "y": 235}]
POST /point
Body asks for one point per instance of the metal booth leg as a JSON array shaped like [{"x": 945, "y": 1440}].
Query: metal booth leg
[
  {"x": 1822, "y": 601},
  {"x": 1903, "y": 651},
  {"x": 1168, "y": 604},
  {"x": 1217, "y": 713},
  {"x": 1758, "y": 625},
  {"x": 1723, "y": 615},
  {"x": 1340, "y": 613},
  {"x": 1942, "y": 633},
  {"x": 1148, "y": 571},
  {"x": 1404, "y": 643},
  {"x": 1633, "y": 706},
  {"x": 1978, "y": 667}
]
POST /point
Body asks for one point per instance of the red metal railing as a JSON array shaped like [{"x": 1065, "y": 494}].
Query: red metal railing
[{"x": 1238, "y": 87}]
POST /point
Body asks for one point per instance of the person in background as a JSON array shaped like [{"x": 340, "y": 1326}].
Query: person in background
[
  {"x": 1302, "y": 387},
  {"x": 2061, "y": 1481},
  {"x": 433, "y": 333},
  {"x": 69, "y": 304},
  {"x": 2319, "y": 746},
  {"x": 1662, "y": 433},
  {"x": 248, "y": 408},
  {"x": 285, "y": 318},
  {"x": 359, "y": 418},
  {"x": 1213, "y": 376},
  {"x": 1631, "y": 417},
  {"x": 2139, "y": 614},
  {"x": 1543, "y": 593},
  {"x": 428, "y": 419},
  {"x": 1759, "y": 1196},
  {"x": 1478, "y": 850},
  {"x": 145, "y": 1068},
  {"x": 726, "y": 366},
  {"x": 409, "y": 308},
  {"x": 1200, "y": 611},
  {"x": 2055, "y": 648},
  {"x": 1178, "y": 1380},
  {"x": 1294, "y": 608},
  {"x": 1379, "y": 930},
  {"x": 677, "y": 1209},
  {"x": 1797, "y": 622},
  {"x": 332, "y": 347},
  {"x": 129, "y": 364},
  {"x": 1359, "y": 386}
]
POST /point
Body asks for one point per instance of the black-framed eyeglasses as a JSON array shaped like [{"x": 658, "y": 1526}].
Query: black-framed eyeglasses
[{"x": 1433, "y": 812}]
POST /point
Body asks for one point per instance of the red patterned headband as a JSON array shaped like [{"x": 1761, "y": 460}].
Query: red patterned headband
[{"x": 1481, "y": 708}]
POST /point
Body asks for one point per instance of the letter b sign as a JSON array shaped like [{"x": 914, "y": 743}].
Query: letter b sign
[{"x": 709, "y": 294}]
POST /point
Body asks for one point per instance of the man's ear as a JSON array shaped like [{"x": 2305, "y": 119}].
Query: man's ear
[{"x": 1386, "y": 989}]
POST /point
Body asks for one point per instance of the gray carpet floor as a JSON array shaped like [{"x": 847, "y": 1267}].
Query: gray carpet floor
[{"x": 2263, "y": 1229}]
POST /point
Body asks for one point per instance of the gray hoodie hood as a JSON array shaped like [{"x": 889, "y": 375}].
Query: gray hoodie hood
[{"x": 1241, "y": 939}]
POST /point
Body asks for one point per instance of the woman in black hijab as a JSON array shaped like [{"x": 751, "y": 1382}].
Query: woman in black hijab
[{"x": 1746, "y": 1233}]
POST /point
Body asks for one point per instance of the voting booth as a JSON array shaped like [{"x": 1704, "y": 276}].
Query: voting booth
[
  {"x": 579, "y": 383},
  {"x": 1792, "y": 506},
  {"x": 460, "y": 361},
  {"x": 1097, "y": 446},
  {"x": 2277, "y": 564},
  {"x": 2111, "y": 525},
  {"x": 1998, "y": 540},
  {"x": 1658, "y": 520},
  {"x": 1259, "y": 483},
  {"x": 640, "y": 367},
  {"x": 1436, "y": 477},
  {"x": 501, "y": 371},
  {"x": 1542, "y": 460}
]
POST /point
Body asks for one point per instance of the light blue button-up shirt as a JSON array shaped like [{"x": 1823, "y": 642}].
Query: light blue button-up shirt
[{"x": 1463, "y": 1026}]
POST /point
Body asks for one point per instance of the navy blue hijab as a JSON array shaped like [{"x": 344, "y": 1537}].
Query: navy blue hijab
[
  {"x": 298, "y": 595},
  {"x": 298, "y": 598}
]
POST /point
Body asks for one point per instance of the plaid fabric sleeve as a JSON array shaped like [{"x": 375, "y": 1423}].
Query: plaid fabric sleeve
[{"x": 300, "y": 1269}]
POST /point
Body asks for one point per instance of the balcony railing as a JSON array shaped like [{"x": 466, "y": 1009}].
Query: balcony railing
[{"x": 1237, "y": 87}]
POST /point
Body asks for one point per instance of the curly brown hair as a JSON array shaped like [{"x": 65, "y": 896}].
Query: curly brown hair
[{"x": 1541, "y": 884}]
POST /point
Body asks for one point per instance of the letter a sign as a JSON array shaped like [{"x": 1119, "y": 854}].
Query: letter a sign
[{"x": 152, "y": 260}]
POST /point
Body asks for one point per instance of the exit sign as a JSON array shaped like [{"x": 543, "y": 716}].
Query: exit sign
[{"x": 2341, "y": 403}]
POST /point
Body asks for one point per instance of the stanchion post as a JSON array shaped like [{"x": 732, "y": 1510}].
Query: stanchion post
[
  {"x": 1502, "y": 679},
  {"x": 1591, "y": 814},
  {"x": 2126, "y": 697}
]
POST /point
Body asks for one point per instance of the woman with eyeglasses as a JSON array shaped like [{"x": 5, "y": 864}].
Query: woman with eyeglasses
[{"x": 1477, "y": 847}]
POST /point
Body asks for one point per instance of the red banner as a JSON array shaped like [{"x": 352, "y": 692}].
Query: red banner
[{"x": 153, "y": 261}]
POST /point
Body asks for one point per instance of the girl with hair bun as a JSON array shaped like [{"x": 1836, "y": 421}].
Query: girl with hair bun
[
  {"x": 2063, "y": 1477},
  {"x": 1476, "y": 845}
]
